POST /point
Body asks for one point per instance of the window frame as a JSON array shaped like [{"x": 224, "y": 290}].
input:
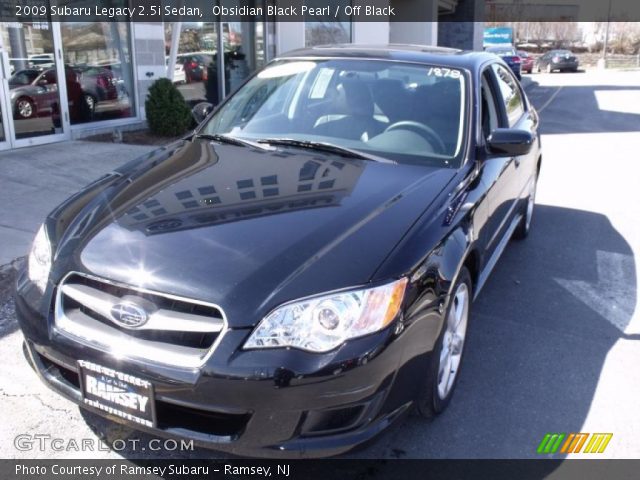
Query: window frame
[
  {"x": 491, "y": 83},
  {"x": 507, "y": 118}
]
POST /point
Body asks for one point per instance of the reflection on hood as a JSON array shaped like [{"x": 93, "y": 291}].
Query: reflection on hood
[{"x": 232, "y": 192}]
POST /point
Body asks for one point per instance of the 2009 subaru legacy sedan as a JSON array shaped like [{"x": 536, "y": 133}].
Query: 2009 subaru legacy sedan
[{"x": 298, "y": 272}]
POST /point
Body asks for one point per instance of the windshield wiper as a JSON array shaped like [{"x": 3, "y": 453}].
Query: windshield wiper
[
  {"x": 221, "y": 138},
  {"x": 324, "y": 147}
]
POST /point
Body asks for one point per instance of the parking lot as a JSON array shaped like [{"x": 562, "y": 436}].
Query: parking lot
[{"x": 555, "y": 335}]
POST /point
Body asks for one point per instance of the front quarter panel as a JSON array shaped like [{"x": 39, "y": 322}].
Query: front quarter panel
[{"x": 432, "y": 254}]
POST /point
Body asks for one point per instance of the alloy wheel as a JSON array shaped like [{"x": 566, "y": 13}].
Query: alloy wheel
[
  {"x": 531, "y": 201},
  {"x": 25, "y": 109},
  {"x": 453, "y": 340}
]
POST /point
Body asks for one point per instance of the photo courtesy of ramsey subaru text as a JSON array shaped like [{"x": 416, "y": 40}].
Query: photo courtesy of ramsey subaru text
[{"x": 299, "y": 271}]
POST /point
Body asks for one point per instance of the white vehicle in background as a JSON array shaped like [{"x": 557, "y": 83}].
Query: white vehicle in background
[
  {"x": 42, "y": 61},
  {"x": 179, "y": 75}
]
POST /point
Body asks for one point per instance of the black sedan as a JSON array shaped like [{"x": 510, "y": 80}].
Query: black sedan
[
  {"x": 561, "y": 60},
  {"x": 299, "y": 272}
]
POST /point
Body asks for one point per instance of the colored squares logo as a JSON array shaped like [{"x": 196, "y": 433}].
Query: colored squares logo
[{"x": 574, "y": 443}]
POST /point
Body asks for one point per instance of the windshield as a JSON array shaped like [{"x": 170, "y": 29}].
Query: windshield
[{"x": 408, "y": 113}]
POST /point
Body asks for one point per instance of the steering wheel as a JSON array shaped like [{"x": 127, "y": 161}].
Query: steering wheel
[{"x": 429, "y": 133}]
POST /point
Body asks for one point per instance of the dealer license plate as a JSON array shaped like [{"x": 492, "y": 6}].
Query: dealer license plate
[{"x": 117, "y": 393}]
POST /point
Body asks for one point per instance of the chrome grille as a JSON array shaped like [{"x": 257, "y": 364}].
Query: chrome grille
[{"x": 175, "y": 331}]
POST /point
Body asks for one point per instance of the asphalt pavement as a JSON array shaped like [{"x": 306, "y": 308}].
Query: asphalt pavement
[{"x": 554, "y": 341}]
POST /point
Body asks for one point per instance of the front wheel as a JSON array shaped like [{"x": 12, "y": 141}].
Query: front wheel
[
  {"x": 447, "y": 357},
  {"x": 522, "y": 230},
  {"x": 25, "y": 108}
]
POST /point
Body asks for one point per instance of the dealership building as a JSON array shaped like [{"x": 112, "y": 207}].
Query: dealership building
[{"x": 104, "y": 69}]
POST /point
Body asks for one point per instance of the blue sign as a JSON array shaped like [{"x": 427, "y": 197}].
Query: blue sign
[{"x": 498, "y": 36}]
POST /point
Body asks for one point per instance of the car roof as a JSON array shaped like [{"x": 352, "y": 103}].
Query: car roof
[{"x": 396, "y": 52}]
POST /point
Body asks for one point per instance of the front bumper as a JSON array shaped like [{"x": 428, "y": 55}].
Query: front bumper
[{"x": 263, "y": 403}]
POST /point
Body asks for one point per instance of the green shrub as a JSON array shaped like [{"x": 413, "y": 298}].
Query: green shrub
[{"x": 167, "y": 113}]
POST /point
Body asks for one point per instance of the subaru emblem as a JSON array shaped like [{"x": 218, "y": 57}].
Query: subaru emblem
[{"x": 129, "y": 315}]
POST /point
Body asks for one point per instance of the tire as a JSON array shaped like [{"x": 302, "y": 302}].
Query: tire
[
  {"x": 549, "y": 69},
  {"x": 25, "y": 108},
  {"x": 524, "y": 227},
  {"x": 437, "y": 391}
]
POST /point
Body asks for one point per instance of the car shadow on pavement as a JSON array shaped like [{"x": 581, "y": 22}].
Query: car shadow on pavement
[
  {"x": 541, "y": 330},
  {"x": 540, "y": 333},
  {"x": 586, "y": 108}
]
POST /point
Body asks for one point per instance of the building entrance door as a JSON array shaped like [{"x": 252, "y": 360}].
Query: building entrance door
[{"x": 33, "y": 80}]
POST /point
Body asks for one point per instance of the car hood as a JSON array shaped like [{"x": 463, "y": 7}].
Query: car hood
[{"x": 248, "y": 229}]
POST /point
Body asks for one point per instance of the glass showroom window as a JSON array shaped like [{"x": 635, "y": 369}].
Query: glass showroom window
[
  {"x": 98, "y": 69},
  {"x": 324, "y": 33}
]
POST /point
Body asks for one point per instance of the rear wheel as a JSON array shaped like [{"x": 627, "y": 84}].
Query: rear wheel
[{"x": 447, "y": 356}]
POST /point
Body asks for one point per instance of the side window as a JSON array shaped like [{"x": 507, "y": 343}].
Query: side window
[
  {"x": 22, "y": 79},
  {"x": 50, "y": 77},
  {"x": 510, "y": 93},
  {"x": 489, "y": 108}
]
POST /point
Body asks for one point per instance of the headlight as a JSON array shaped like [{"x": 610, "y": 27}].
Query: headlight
[
  {"x": 320, "y": 324},
  {"x": 40, "y": 260}
]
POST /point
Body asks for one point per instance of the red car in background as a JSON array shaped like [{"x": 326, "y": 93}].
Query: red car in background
[
  {"x": 526, "y": 61},
  {"x": 195, "y": 66}
]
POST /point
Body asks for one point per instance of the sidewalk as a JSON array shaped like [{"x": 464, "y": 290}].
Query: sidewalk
[{"x": 34, "y": 180}]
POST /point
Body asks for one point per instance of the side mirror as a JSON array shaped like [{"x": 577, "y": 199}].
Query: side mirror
[
  {"x": 42, "y": 82},
  {"x": 509, "y": 141},
  {"x": 201, "y": 110}
]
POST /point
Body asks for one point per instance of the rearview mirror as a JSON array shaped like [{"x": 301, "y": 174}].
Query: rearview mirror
[
  {"x": 201, "y": 111},
  {"x": 510, "y": 141}
]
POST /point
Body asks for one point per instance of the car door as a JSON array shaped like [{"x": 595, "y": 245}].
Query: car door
[
  {"x": 520, "y": 116},
  {"x": 499, "y": 171},
  {"x": 46, "y": 90}
]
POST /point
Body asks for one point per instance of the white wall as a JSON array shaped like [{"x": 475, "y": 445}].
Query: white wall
[
  {"x": 289, "y": 36},
  {"x": 416, "y": 33},
  {"x": 150, "y": 57},
  {"x": 370, "y": 33}
]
